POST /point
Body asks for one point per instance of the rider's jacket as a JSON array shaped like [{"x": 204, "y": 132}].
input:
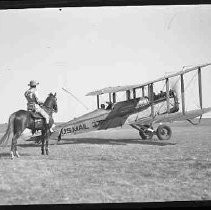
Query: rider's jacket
[{"x": 32, "y": 98}]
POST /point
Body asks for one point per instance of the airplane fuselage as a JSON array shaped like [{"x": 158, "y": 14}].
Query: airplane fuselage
[{"x": 120, "y": 113}]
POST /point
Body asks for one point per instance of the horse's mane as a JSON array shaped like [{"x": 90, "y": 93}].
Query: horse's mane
[{"x": 50, "y": 95}]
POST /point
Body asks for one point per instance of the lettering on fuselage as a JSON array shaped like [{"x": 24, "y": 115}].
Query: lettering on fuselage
[
  {"x": 74, "y": 129},
  {"x": 95, "y": 124}
]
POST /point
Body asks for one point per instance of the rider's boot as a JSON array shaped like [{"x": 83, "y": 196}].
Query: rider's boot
[
  {"x": 52, "y": 127},
  {"x": 51, "y": 130}
]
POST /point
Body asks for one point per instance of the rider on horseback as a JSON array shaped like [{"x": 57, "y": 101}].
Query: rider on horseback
[{"x": 34, "y": 104}]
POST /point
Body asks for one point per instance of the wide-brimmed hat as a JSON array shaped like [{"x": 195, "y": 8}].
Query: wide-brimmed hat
[{"x": 33, "y": 83}]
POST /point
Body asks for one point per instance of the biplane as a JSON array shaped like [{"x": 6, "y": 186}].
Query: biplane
[{"x": 141, "y": 108}]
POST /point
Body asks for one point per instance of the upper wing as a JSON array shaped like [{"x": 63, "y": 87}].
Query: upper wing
[
  {"x": 130, "y": 87},
  {"x": 109, "y": 90}
]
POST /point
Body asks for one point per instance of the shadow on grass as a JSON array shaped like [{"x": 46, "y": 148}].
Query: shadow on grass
[
  {"x": 99, "y": 141},
  {"x": 29, "y": 145},
  {"x": 4, "y": 154},
  {"x": 113, "y": 141},
  {"x": 7, "y": 154}
]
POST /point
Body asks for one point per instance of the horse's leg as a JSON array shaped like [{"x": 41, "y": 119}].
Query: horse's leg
[
  {"x": 16, "y": 150},
  {"x": 46, "y": 147},
  {"x": 18, "y": 131},
  {"x": 43, "y": 142},
  {"x": 11, "y": 152},
  {"x": 14, "y": 146},
  {"x": 47, "y": 139},
  {"x": 18, "y": 126}
]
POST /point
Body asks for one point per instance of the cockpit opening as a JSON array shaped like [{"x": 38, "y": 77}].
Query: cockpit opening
[{"x": 163, "y": 95}]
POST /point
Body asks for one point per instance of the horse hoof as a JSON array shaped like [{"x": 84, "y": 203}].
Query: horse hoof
[
  {"x": 42, "y": 151},
  {"x": 17, "y": 155},
  {"x": 11, "y": 156}
]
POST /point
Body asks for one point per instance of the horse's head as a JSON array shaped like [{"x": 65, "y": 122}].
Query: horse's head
[{"x": 51, "y": 102}]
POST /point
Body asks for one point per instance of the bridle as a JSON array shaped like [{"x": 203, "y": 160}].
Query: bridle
[{"x": 53, "y": 108}]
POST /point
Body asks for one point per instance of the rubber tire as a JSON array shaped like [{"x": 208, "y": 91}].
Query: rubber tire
[
  {"x": 160, "y": 134},
  {"x": 145, "y": 136}
]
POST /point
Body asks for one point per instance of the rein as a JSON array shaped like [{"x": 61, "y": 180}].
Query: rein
[{"x": 49, "y": 110}]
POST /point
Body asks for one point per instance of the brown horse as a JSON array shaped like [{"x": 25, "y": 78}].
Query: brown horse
[{"x": 22, "y": 119}]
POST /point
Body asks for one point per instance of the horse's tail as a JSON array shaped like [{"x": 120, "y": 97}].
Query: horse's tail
[{"x": 9, "y": 132}]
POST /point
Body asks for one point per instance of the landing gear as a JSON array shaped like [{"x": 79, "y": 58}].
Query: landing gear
[
  {"x": 164, "y": 132},
  {"x": 146, "y": 132}
]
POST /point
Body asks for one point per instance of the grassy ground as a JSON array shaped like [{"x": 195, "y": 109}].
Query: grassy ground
[{"x": 109, "y": 167}]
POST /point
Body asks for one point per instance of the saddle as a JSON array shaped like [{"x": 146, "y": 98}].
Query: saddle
[{"x": 37, "y": 122}]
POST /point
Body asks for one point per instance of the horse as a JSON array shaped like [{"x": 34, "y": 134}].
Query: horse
[{"x": 22, "y": 119}]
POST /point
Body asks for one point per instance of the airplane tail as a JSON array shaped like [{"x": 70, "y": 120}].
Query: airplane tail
[{"x": 9, "y": 132}]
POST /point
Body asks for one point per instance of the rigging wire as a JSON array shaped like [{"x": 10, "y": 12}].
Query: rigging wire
[
  {"x": 190, "y": 81},
  {"x": 188, "y": 86},
  {"x": 75, "y": 98}
]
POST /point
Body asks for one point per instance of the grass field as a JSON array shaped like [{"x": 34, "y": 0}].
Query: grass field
[{"x": 109, "y": 167}]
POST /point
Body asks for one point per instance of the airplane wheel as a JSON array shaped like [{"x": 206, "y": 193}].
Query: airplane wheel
[
  {"x": 164, "y": 132},
  {"x": 146, "y": 135}
]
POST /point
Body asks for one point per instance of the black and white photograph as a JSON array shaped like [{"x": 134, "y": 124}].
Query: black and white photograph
[{"x": 105, "y": 105}]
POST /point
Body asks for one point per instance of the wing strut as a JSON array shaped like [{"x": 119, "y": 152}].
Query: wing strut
[
  {"x": 167, "y": 95},
  {"x": 200, "y": 87},
  {"x": 182, "y": 93},
  {"x": 98, "y": 102},
  {"x": 151, "y": 98}
]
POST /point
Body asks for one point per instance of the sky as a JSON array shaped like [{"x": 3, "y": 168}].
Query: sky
[{"x": 85, "y": 49}]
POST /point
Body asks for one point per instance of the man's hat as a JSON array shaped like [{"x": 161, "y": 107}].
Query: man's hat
[{"x": 33, "y": 83}]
